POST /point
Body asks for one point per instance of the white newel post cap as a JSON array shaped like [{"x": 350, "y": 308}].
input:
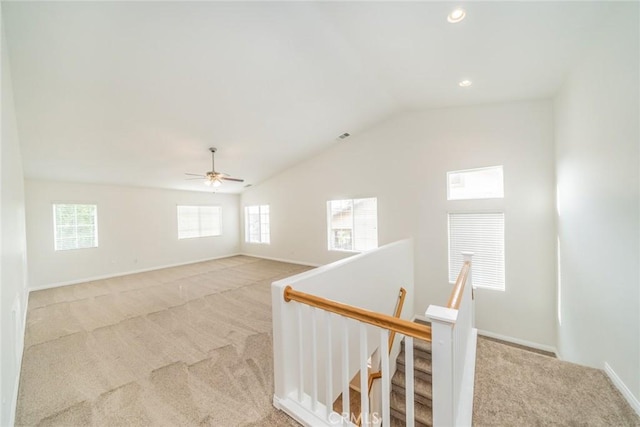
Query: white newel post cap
[{"x": 441, "y": 314}]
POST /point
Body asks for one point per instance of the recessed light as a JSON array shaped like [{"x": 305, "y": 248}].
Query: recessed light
[
  {"x": 465, "y": 83},
  {"x": 456, "y": 15}
]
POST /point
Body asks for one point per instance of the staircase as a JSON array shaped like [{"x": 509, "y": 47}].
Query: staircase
[{"x": 422, "y": 386}]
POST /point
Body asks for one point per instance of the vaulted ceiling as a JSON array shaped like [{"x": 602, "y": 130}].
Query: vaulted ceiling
[{"x": 135, "y": 92}]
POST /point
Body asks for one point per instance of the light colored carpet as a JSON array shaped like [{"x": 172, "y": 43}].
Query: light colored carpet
[
  {"x": 191, "y": 346},
  {"x": 516, "y": 387},
  {"x": 185, "y": 346}
]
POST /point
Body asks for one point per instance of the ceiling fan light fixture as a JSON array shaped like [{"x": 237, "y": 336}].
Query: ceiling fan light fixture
[{"x": 213, "y": 178}]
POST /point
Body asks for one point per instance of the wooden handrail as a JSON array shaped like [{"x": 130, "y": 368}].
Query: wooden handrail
[
  {"x": 396, "y": 314},
  {"x": 456, "y": 293},
  {"x": 415, "y": 330}
]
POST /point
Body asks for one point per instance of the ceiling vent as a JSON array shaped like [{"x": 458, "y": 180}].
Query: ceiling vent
[{"x": 344, "y": 135}]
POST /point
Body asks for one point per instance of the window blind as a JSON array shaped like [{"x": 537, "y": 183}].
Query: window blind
[
  {"x": 482, "y": 234},
  {"x": 199, "y": 221}
]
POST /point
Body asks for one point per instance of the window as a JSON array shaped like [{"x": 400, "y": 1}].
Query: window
[
  {"x": 75, "y": 226},
  {"x": 482, "y": 183},
  {"x": 353, "y": 224},
  {"x": 256, "y": 224},
  {"x": 199, "y": 221},
  {"x": 482, "y": 234}
]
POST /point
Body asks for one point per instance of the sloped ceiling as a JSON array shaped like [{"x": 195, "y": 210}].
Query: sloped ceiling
[{"x": 135, "y": 92}]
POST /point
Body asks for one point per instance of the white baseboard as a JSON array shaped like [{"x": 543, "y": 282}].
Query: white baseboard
[
  {"x": 518, "y": 341},
  {"x": 14, "y": 400},
  {"x": 290, "y": 261},
  {"x": 126, "y": 273},
  {"x": 622, "y": 388}
]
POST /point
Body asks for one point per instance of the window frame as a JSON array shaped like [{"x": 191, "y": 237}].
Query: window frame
[
  {"x": 449, "y": 173},
  {"x": 247, "y": 234},
  {"x": 55, "y": 225},
  {"x": 200, "y": 235},
  {"x": 330, "y": 229}
]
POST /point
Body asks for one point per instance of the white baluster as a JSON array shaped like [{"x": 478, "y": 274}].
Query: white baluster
[
  {"x": 408, "y": 379},
  {"x": 364, "y": 376},
  {"x": 314, "y": 361},
  {"x": 329, "y": 368},
  {"x": 346, "y": 410},
  {"x": 384, "y": 350},
  {"x": 300, "y": 356}
]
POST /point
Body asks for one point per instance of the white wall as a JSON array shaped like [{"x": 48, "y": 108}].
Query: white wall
[
  {"x": 403, "y": 162},
  {"x": 13, "y": 273},
  {"x": 597, "y": 137},
  {"x": 137, "y": 229}
]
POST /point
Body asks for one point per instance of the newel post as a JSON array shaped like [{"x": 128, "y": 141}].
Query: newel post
[{"x": 442, "y": 322}]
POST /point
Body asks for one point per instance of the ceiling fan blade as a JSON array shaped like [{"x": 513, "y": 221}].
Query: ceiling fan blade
[
  {"x": 195, "y": 174},
  {"x": 231, "y": 179}
]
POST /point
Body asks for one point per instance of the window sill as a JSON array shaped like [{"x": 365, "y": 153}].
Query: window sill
[
  {"x": 258, "y": 243},
  {"x": 198, "y": 237},
  {"x": 348, "y": 251},
  {"x": 75, "y": 249},
  {"x": 488, "y": 288}
]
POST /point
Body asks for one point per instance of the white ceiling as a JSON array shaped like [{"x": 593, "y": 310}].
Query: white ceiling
[{"x": 135, "y": 93}]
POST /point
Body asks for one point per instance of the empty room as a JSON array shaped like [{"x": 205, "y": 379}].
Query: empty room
[{"x": 320, "y": 213}]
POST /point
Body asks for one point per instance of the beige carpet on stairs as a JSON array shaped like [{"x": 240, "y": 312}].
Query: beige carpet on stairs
[{"x": 191, "y": 346}]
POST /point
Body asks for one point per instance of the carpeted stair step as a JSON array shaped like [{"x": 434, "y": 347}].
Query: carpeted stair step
[
  {"x": 422, "y": 389},
  {"x": 420, "y": 348},
  {"x": 421, "y": 366},
  {"x": 423, "y": 394},
  {"x": 422, "y": 413}
]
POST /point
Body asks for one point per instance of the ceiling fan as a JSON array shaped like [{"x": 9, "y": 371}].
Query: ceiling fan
[{"x": 213, "y": 178}]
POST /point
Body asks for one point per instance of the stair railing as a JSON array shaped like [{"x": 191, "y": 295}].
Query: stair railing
[
  {"x": 386, "y": 326},
  {"x": 317, "y": 351},
  {"x": 328, "y": 322},
  {"x": 453, "y": 352},
  {"x": 392, "y": 336}
]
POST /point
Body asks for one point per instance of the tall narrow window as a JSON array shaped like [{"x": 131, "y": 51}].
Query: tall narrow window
[
  {"x": 256, "y": 224},
  {"x": 482, "y": 183},
  {"x": 75, "y": 226},
  {"x": 199, "y": 221},
  {"x": 483, "y": 234},
  {"x": 352, "y": 224}
]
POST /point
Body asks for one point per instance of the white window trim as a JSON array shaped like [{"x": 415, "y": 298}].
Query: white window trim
[
  {"x": 246, "y": 224},
  {"x": 330, "y": 229},
  {"x": 199, "y": 206},
  {"x": 55, "y": 225},
  {"x": 474, "y": 170}
]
